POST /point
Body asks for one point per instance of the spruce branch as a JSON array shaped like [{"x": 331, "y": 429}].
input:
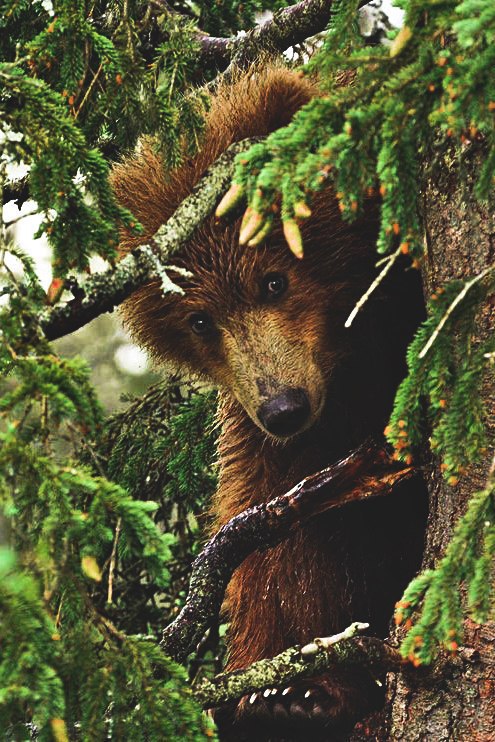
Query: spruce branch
[
  {"x": 367, "y": 472},
  {"x": 297, "y": 662},
  {"x": 103, "y": 291},
  {"x": 287, "y": 27},
  {"x": 438, "y": 594}
]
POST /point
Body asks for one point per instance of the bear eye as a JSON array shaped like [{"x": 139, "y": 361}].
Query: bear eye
[
  {"x": 274, "y": 285},
  {"x": 200, "y": 323}
]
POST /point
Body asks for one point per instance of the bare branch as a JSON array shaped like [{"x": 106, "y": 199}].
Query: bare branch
[
  {"x": 365, "y": 473},
  {"x": 102, "y": 292},
  {"x": 287, "y": 27},
  {"x": 293, "y": 664}
]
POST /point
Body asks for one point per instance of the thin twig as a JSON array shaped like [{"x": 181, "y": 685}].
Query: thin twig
[
  {"x": 88, "y": 91},
  {"x": 113, "y": 559},
  {"x": 59, "y": 611},
  {"x": 324, "y": 642},
  {"x": 362, "y": 301},
  {"x": 45, "y": 430},
  {"x": 460, "y": 296},
  {"x": 18, "y": 218}
]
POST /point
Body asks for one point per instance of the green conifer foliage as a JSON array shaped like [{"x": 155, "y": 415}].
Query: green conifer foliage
[
  {"x": 28, "y": 674},
  {"x": 81, "y": 81},
  {"x": 92, "y": 556},
  {"x": 448, "y": 377},
  {"x": 162, "y": 445},
  {"x": 371, "y": 135},
  {"x": 469, "y": 560},
  {"x": 101, "y": 515}
]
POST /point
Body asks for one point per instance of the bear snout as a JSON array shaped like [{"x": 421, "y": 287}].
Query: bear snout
[{"x": 286, "y": 413}]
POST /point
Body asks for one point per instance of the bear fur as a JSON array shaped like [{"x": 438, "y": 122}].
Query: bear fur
[{"x": 350, "y": 565}]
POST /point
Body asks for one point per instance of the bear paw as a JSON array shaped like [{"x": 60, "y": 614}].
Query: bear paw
[{"x": 318, "y": 709}]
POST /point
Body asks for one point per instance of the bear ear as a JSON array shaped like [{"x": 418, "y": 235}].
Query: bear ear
[{"x": 259, "y": 102}]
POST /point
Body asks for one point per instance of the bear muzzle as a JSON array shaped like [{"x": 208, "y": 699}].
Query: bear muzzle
[{"x": 285, "y": 414}]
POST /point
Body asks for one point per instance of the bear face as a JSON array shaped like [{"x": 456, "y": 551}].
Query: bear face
[{"x": 257, "y": 322}]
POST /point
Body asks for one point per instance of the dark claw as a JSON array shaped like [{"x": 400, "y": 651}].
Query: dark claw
[
  {"x": 264, "y": 714},
  {"x": 319, "y": 715}
]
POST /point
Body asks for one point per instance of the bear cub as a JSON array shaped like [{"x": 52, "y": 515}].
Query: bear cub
[{"x": 297, "y": 392}]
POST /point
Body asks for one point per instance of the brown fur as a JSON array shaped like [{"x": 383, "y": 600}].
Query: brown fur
[{"x": 345, "y": 567}]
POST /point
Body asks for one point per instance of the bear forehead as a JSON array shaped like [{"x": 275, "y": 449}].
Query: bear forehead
[
  {"x": 225, "y": 272},
  {"x": 227, "y": 276}
]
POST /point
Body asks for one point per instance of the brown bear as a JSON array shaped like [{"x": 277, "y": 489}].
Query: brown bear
[{"x": 297, "y": 391}]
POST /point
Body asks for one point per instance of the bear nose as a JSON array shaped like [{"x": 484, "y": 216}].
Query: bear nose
[{"x": 285, "y": 414}]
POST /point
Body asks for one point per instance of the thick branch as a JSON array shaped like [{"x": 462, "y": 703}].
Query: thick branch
[
  {"x": 287, "y": 27},
  {"x": 103, "y": 291},
  {"x": 367, "y": 472},
  {"x": 293, "y": 664}
]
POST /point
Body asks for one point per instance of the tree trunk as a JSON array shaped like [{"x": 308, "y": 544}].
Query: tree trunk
[{"x": 454, "y": 699}]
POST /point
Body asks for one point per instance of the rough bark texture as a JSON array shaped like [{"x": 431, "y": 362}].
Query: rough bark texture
[
  {"x": 455, "y": 698},
  {"x": 288, "y": 26}
]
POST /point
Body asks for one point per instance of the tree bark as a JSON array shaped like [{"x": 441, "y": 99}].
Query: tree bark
[{"x": 454, "y": 699}]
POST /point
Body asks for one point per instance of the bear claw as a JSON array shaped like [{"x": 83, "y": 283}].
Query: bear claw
[{"x": 313, "y": 709}]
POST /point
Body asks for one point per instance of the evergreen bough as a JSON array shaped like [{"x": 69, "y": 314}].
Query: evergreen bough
[
  {"x": 95, "y": 567},
  {"x": 469, "y": 559}
]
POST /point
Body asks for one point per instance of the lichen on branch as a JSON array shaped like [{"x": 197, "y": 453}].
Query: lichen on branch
[
  {"x": 288, "y": 26},
  {"x": 294, "y": 663}
]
